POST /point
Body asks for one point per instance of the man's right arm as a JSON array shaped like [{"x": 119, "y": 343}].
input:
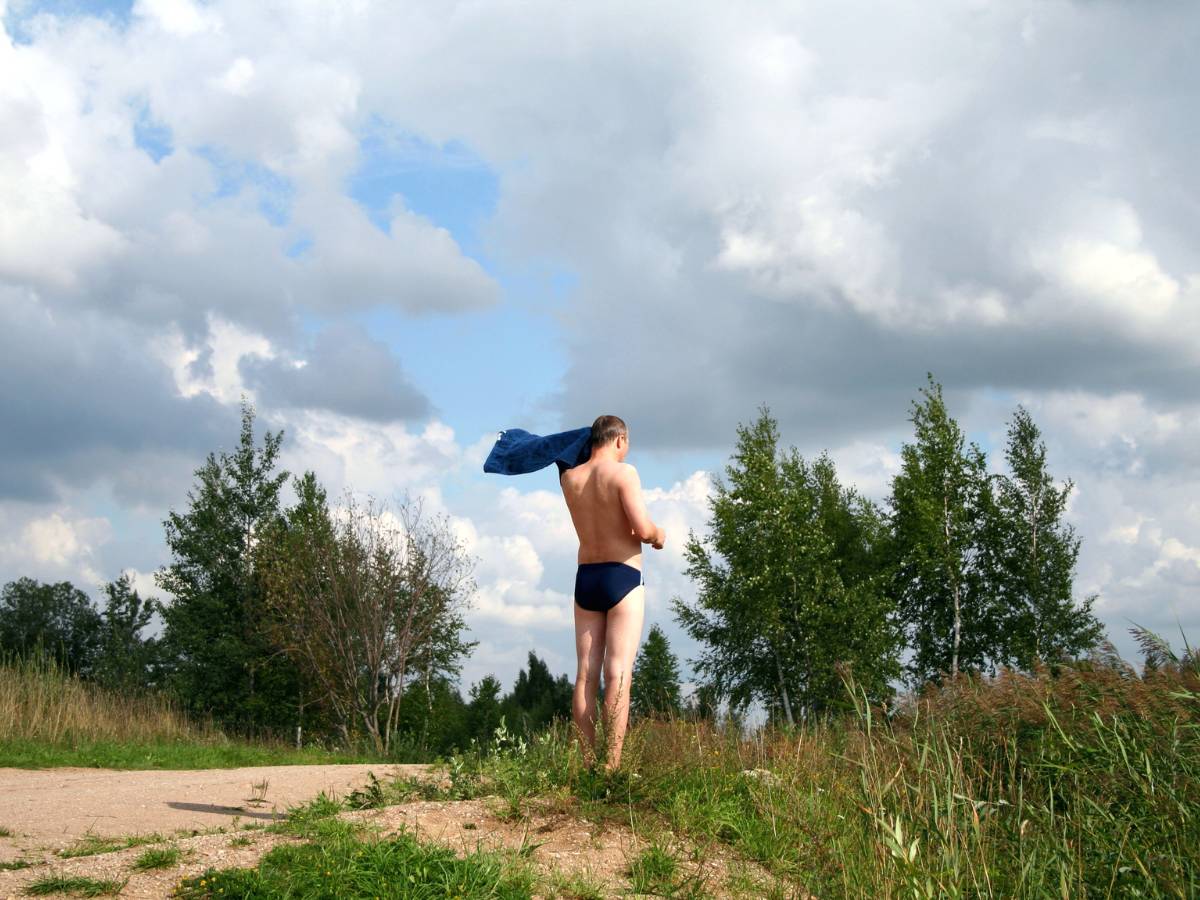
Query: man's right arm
[{"x": 630, "y": 488}]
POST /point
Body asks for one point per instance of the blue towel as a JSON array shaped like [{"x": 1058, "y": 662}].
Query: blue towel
[{"x": 517, "y": 452}]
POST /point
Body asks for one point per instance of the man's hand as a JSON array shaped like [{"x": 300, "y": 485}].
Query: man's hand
[{"x": 662, "y": 539}]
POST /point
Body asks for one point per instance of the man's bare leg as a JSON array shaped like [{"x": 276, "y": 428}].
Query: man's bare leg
[
  {"x": 590, "y": 628},
  {"x": 622, "y": 636}
]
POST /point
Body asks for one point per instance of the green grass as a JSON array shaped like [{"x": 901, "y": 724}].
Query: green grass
[
  {"x": 654, "y": 871},
  {"x": 13, "y": 865},
  {"x": 5, "y": 832},
  {"x": 107, "y": 754},
  {"x": 337, "y": 862},
  {"x": 76, "y": 885},
  {"x": 49, "y": 718},
  {"x": 92, "y": 845},
  {"x": 158, "y": 858},
  {"x": 577, "y": 886}
]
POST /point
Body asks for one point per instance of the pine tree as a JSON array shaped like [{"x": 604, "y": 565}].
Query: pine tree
[
  {"x": 1034, "y": 557},
  {"x": 484, "y": 710},
  {"x": 940, "y": 508},
  {"x": 789, "y": 586},
  {"x": 537, "y": 698},
  {"x": 655, "y": 688},
  {"x": 220, "y": 661}
]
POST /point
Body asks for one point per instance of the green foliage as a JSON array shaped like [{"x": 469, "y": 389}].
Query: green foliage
[
  {"x": 1033, "y": 554},
  {"x": 76, "y": 885},
  {"x": 1084, "y": 781},
  {"x": 941, "y": 505},
  {"x": 126, "y": 661},
  {"x": 655, "y": 687},
  {"x": 158, "y": 858},
  {"x": 790, "y": 582},
  {"x": 654, "y": 871},
  {"x": 336, "y": 862},
  {"x": 59, "y": 618},
  {"x": 432, "y": 717},
  {"x": 220, "y": 661},
  {"x": 537, "y": 698},
  {"x": 369, "y": 603},
  {"x": 983, "y": 565}
]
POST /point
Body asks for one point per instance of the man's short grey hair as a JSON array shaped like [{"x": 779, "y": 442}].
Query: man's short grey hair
[{"x": 606, "y": 429}]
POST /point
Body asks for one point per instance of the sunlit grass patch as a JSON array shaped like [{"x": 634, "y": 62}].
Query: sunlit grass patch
[
  {"x": 92, "y": 844},
  {"x": 654, "y": 871},
  {"x": 158, "y": 858},
  {"x": 338, "y": 864},
  {"x": 76, "y": 885}
]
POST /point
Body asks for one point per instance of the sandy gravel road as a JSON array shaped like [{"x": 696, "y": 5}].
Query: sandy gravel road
[{"x": 51, "y": 808}]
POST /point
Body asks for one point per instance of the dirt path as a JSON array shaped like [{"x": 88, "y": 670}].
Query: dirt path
[
  {"x": 51, "y": 808},
  {"x": 47, "y": 810}
]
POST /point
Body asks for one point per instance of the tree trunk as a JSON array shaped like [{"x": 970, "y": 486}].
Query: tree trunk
[
  {"x": 957, "y": 599},
  {"x": 783, "y": 692}
]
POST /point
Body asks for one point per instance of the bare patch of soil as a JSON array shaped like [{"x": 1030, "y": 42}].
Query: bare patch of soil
[
  {"x": 44, "y": 811},
  {"x": 559, "y": 842},
  {"x": 222, "y": 850},
  {"x": 48, "y": 810}
]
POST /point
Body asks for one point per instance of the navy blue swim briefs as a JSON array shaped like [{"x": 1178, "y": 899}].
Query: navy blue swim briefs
[{"x": 602, "y": 585}]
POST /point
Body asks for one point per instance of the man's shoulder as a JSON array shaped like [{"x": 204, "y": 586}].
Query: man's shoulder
[
  {"x": 625, "y": 471},
  {"x": 613, "y": 469}
]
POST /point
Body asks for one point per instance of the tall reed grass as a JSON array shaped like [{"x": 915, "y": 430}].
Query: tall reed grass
[{"x": 41, "y": 702}]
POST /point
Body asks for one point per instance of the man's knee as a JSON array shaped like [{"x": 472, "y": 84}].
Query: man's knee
[{"x": 617, "y": 676}]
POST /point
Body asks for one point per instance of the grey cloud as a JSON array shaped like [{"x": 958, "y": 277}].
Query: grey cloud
[
  {"x": 82, "y": 401},
  {"x": 347, "y": 371}
]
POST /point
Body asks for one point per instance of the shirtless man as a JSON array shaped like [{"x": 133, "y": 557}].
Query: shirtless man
[{"x": 604, "y": 496}]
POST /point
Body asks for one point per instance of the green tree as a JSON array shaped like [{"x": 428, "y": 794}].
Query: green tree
[
  {"x": 483, "y": 709},
  {"x": 366, "y": 602},
  {"x": 941, "y": 505},
  {"x": 59, "y": 618},
  {"x": 1034, "y": 554},
  {"x": 655, "y": 677},
  {"x": 789, "y": 583},
  {"x": 220, "y": 660},
  {"x": 537, "y": 698},
  {"x": 432, "y": 719},
  {"x": 126, "y": 660},
  {"x": 703, "y": 703}
]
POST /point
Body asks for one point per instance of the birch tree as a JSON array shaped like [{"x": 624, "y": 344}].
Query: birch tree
[
  {"x": 941, "y": 505},
  {"x": 1034, "y": 554},
  {"x": 781, "y": 602}
]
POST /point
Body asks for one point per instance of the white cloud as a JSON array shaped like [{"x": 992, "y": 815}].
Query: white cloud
[
  {"x": 178, "y": 17},
  {"x": 60, "y": 545}
]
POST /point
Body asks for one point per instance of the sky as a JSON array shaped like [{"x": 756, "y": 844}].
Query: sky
[{"x": 400, "y": 228}]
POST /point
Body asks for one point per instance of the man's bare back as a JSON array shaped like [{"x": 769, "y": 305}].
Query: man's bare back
[{"x": 604, "y": 497}]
